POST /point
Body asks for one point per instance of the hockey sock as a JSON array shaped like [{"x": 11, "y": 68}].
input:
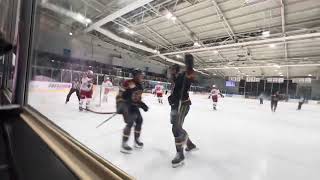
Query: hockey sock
[
  {"x": 136, "y": 135},
  {"x": 180, "y": 141},
  {"x": 126, "y": 134},
  {"x": 88, "y": 103}
]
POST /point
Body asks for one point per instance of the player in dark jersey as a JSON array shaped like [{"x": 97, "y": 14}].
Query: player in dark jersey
[
  {"x": 180, "y": 105},
  {"x": 275, "y": 97},
  {"x": 128, "y": 104}
]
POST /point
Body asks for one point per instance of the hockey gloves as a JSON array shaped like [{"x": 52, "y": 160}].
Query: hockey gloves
[
  {"x": 188, "y": 60},
  {"x": 144, "y": 107}
]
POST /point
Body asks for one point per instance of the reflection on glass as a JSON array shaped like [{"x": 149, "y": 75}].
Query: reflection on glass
[{"x": 109, "y": 77}]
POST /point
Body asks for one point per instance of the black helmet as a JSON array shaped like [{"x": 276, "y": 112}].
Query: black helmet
[
  {"x": 136, "y": 72},
  {"x": 175, "y": 67}
]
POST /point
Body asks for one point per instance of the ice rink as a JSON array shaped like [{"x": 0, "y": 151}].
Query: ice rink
[{"x": 241, "y": 141}]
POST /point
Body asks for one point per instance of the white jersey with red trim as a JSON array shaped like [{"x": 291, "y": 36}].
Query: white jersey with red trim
[
  {"x": 86, "y": 84},
  {"x": 107, "y": 84},
  {"x": 159, "y": 89},
  {"x": 215, "y": 92}
]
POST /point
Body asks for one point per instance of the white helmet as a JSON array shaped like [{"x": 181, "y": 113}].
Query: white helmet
[{"x": 90, "y": 73}]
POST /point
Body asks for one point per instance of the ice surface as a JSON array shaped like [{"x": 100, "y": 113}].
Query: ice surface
[{"x": 241, "y": 141}]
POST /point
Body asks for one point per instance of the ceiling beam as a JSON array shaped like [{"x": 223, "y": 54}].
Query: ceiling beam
[
  {"x": 139, "y": 46},
  {"x": 255, "y": 67},
  {"x": 132, "y": 6},
  {"x": 225, "y": 22},
  {"x": 249, "y": 43}
]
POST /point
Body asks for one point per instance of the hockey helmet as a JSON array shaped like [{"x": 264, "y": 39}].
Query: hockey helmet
[{"x": 136, "y": 72}]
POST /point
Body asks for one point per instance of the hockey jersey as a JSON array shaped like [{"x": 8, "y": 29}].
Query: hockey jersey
[
  {"x": 107, "y": 84},
  {"x": 159, "y": 89},
  {"x": 215, "y": 92},
  {"x": 86, "y": 84}
]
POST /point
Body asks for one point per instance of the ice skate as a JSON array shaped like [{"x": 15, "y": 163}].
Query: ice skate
[
  {"x": 178, "y": 160},
  {"x": 138, "y": 144},
  {"x": 191, "y": 148},
  {"x": 125, "y": 148}
]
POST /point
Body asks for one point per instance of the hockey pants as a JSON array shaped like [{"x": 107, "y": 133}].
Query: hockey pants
[
  {"x": 132, "y": 117},
  {"x": 177, "y": 120}
]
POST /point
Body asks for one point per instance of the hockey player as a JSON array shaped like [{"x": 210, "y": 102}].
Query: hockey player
[
  {"x": 107, "y": 87},
  {"x": 275, "y": 97},
  {"x": 261, "y": 96},
  {"x": 128, "y": 103},
  {"x": 74, "y": 88},
  {"x": 215, "y": 93},
  {"x": 301, "y": 102},
  {"x": 159, "y": 92},
  {"x": 180, "y": 105},
  {"x": 86, "y": 90}
]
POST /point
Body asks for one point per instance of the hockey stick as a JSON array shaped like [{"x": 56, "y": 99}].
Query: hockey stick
[
  {"x": 97, "y": 112},
  {"x": 113, "y": 115}
]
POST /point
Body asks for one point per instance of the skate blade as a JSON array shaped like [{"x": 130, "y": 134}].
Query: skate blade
[
  {"x": 137, "y": 147},
  {"x": 178, "y": 164},
  {"x": 125, "y": 151}
]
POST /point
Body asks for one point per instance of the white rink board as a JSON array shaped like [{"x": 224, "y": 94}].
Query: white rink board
[{"x": 241, "y": 141}]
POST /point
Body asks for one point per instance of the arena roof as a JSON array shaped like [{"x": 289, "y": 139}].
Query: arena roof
[{"x": 227, "y": 37}]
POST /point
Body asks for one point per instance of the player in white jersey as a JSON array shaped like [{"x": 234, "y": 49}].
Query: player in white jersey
[
  {"x": 159, "y": 92},
  {"x": 106, "y": 87},
  {"x": 215, "y": 93},
  {"x": 86, "y": 90}
]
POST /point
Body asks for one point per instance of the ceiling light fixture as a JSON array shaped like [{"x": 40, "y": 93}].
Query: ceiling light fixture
[
  {"x": 141, "y": 41},
  {"x": 196, "y": 44},
  {"x": 309, "y": 74},
  {"x": 272, "y": 45},
  {"x": 70, "y": 33},
  {"x": 128, "y": 31},
  {"x": 265, "y": 33},
  {"x": 169, "y": 15},
  {"x": 276, "y": 65}
]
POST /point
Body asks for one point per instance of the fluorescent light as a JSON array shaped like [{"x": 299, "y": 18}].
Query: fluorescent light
[
  {"x": 281, "y": 74},
  {"x": 141, "y": 41},
  {"x": 272, "y": 45},
  {"x": 265, "y": 33},
  {"x": 309, "y": 74},
  {"x": 276, "y": 65},
  {"x": 266, "y": 66},
  {"x": 196, "y": 44},
  {"x": 128, "y": 31},
  {"x": 70, "y": 33},
  {"x": 169, "y": 15}
]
